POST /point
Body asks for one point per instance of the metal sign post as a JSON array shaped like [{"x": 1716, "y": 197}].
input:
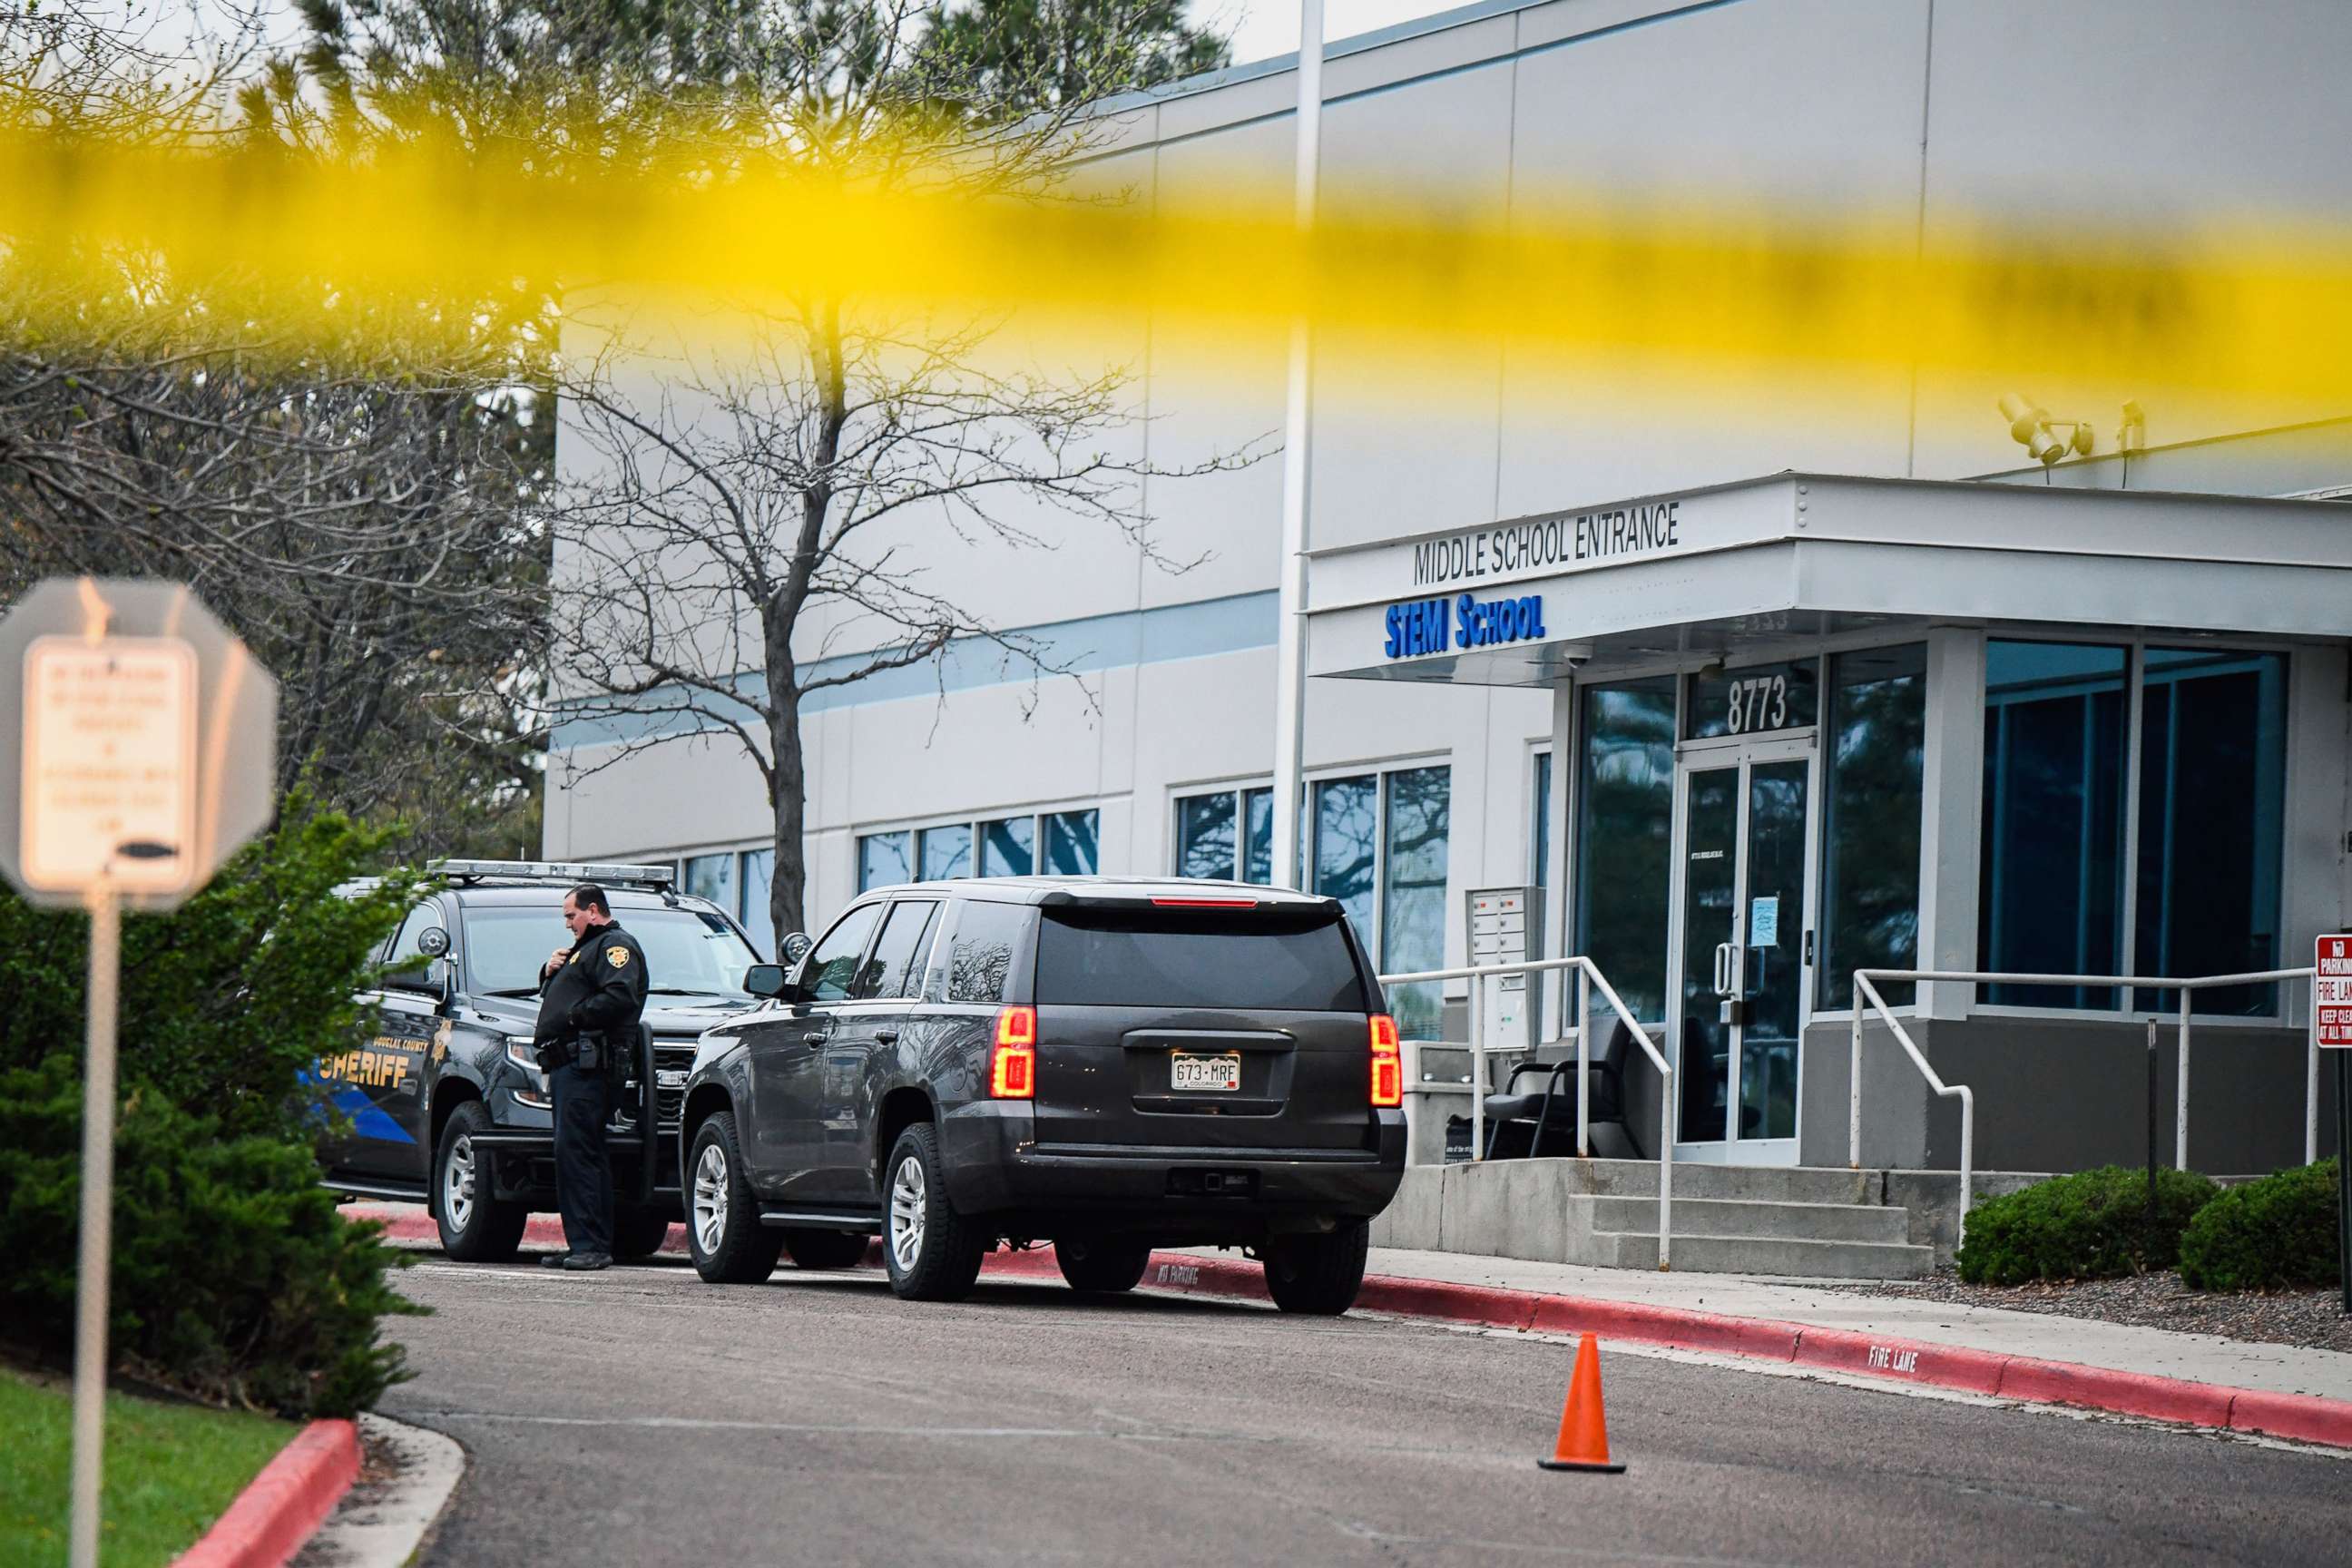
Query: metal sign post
[
  {"x": 138, "y": 745},
  {"x": 2331, "y": 1029}
]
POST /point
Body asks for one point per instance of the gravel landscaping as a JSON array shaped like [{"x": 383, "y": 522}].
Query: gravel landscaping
[{"x": 2314, "y": 1319}]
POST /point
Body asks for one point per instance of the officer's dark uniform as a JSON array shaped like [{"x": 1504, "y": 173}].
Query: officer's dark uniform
[{"x": 588, "y": 1012}]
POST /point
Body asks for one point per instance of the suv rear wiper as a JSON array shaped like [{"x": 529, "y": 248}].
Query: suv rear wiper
[{"x": 514, "y": 991}]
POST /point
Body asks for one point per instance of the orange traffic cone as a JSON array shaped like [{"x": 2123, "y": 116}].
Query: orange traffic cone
[{"x": 1583, "y": 1443}]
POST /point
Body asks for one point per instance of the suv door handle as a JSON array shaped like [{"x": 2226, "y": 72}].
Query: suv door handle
[
  {"x": 814, "y": 1040},
  {"x": 886, "y": 1037}
]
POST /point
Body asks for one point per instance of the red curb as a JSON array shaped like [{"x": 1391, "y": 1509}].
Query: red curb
[
  {"x": 2125, "y": 1393},
  {"x": 2307, "y": 1419},
  {"x": 1901, "y": 1361},
  {"x": 540, "y": 1230},
  {"x": 283, "y": 1506},
  {"x": 1676, "y": 1328}
]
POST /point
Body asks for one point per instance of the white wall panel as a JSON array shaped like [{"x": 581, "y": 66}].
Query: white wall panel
[{"x": 2174, "y": 118}]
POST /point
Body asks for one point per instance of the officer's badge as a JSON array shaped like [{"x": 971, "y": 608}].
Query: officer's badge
[{"x": 618, "y": 957}]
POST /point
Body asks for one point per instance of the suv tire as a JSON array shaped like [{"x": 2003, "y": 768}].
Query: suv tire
[
  {"x": 1318, "y": 1274},
  {"x": 932, "y": 1252},
  {"x": 1103, "y": 1265},
  {"x": 639, "y": 1233},
  {"x": 723, "y": 1233},
  {"x": 825, "y": 1248},
  {"x": 475, "y": 1226}
]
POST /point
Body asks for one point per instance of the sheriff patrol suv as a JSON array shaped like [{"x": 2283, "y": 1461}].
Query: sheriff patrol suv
[
  {"x": 445, "y": 1104},
  {"x": 1107, "y": 1063}
]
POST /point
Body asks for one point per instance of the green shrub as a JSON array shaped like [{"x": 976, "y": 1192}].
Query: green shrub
[
  {"x": 2090, "y": 1226},
  {"x": 234, "y": 1276},
  {"x": 2277, "y": 1232}
]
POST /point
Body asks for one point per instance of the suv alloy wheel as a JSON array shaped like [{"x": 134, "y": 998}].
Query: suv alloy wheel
[
  {"x": 723, "y": 1232},
  {"x": 932, "y": 1253},
  {"x": 475, "y": 1225}
]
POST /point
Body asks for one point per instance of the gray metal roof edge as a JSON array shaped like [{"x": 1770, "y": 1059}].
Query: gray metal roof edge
[{"x": 1894, "y": 482}]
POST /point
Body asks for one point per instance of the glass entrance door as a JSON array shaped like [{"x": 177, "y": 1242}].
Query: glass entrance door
[{"x": 1742, "y": 936}]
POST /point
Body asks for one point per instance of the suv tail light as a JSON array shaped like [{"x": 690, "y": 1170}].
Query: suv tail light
[
  {"x": 1387, "y": 1063},
  {"x": 1013, "y": 1068}
]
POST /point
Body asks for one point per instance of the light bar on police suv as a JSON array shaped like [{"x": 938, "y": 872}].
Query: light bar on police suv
[{"x": 617, "y": 873}]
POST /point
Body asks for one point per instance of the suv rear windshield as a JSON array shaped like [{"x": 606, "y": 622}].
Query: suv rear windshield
[{"x": 1277, "y": 960}]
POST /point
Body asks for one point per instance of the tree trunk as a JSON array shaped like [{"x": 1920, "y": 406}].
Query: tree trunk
[{"x": 787, "y": 796}]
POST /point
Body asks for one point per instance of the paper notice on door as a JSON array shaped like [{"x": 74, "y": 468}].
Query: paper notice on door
[{"x": 1764, "y": 922}]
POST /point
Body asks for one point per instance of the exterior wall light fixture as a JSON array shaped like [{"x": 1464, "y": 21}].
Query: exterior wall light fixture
[{"x": 2030, "y": 426}]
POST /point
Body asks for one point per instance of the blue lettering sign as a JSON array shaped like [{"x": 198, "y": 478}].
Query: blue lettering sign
[{"x": 1420, "y": 627}]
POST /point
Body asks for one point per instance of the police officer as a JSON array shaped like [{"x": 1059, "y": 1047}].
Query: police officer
[{"x": 591, "y": 995}]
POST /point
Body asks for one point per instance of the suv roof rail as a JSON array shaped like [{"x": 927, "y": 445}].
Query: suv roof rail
[{"x": 618, "y": 873}]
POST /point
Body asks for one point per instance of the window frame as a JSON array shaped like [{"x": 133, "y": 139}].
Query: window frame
[
  {"x": 972, "y": 823},
  {"x": 1241, "y": 789},
  {"x": 1374, "y": 941},
  {"x": 2136, "y": 643}
]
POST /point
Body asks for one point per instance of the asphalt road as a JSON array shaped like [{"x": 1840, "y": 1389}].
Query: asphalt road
[{"x": 642, "y": 1416}]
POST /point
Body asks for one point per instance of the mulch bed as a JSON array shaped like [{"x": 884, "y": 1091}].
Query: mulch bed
[{"x": 2313, "y": 1319}]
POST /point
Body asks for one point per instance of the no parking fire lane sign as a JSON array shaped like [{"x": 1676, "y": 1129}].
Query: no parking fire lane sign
[{"x": 2331, "y": 993}]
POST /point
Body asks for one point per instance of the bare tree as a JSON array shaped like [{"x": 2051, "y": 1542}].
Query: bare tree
[
  {"x": 354, "y": 500},
  {"x": 745, "y": 526},
  {"x": 730, "y": 525}
]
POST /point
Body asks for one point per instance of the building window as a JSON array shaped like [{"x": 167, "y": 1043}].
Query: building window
[
  {"x": 1006, "y": 848},
  {"x": 1412, "y": 890},
  {"x": 1873, "y": 748},
  {"x": 1540, "y": 825},
  {"x": 2052, "y": 880},
  {"x": 758, "y": 882},
  {"x": 1625, "y": 837},
  {"x": 884, "y": 858},
  {"x": 2213, "y": 799},
  {"x": 1070, "y": 843},
  {"x": 945, "y": 852},
  {"x": 1227, "y": 837},
  {"x": 712, "y": 876}
]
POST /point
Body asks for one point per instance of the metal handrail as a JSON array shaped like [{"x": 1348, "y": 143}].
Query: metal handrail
[
  {"x": 2185, "y": 985},
  {"x": 1588, "y": 977}
]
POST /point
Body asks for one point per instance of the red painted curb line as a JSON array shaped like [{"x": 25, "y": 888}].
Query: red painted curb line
[
  {"x": 2307, "y": 1419},
  {"x": 540, "y": 1230},
  {"x": 2026, "y": 1379},
  {"x": 283, "y": 1506}
]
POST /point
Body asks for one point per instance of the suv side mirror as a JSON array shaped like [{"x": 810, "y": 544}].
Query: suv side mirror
[
  {"x": 765, "y": 980},
  {"x": 428, "y": 979}
]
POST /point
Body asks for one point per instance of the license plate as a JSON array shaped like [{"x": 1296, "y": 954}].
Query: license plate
[
  {"x": 1192, "y": 1072},
  {"x": 669, "y": 1078}
]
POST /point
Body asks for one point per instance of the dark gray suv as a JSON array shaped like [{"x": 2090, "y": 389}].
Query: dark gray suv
[{"x": 1109, "y": 1065}]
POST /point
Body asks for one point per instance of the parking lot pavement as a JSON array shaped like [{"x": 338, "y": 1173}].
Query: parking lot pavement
[{"x": 646, "y": 1417}]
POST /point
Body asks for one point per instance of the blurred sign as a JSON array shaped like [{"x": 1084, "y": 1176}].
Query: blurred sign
[
  {"x": 138, "y": 743},
  {"x": 109, "y": 767},
  {"x": 2331, "y": 992}
]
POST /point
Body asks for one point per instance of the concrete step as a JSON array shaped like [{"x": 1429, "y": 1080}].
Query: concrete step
[
  {"x": 1755, "y": 1218},
  {"x": 1763, "y": 1183},
  {"x": 1801, "y": 1258}
]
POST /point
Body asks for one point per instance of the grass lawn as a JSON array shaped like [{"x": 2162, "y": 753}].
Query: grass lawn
[{"x": 171, "y": 1470}]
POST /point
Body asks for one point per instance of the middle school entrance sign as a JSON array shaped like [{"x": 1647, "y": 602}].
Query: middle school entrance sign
[{"x": 1797, "y": 555}]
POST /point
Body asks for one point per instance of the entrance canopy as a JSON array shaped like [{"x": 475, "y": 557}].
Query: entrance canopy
[{"x": 1716, "y": 570}]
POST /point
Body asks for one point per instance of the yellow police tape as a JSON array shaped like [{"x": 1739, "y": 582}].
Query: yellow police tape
[{"x": 1709, "y": 289}]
